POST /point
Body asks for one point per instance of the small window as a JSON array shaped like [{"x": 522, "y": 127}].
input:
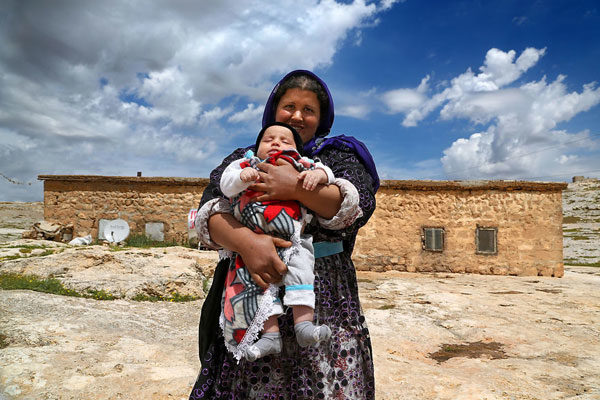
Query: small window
[
  {"x": 433, "y": 239},
  {"x": 487, "y": 240}
]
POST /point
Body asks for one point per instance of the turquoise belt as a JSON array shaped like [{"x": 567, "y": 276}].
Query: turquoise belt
[{"x": 324, "y": 249}]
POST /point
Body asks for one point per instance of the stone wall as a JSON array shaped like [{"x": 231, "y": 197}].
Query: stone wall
[
  {"x": 527, "y": 216},
  {"x": 85, "y": 200}
]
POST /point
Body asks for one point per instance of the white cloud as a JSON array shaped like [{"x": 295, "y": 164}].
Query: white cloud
[
  {"x": 355, "y": 111},
  {"x": 520, "y": 119},
  {"x": 404, "y": 100},
  {"x": 252, "y": 112},
  {"x": 113, "y": 87},
  {"x": 499, "y": 69}
]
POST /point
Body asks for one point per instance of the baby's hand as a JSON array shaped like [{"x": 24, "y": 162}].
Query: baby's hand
[
  {"x": 312, "y": 178},
  {"x": 249, "y": 175}
]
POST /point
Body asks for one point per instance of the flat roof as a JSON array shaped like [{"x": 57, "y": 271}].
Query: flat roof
[
  {"x": 125, "y": 179},
  {"x": 423, "y": 185},
  {"x": 502, "y": 185}
]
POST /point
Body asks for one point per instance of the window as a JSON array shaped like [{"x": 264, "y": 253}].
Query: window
[
  {"x": 433, "y": 239},
  {"x": 486, "y": 240}
]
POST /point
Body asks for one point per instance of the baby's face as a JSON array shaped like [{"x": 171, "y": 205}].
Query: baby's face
[{"x": 276, "y": 138}]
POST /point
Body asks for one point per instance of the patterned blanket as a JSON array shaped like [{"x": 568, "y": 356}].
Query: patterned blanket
[{"x": 246, "y": 306}]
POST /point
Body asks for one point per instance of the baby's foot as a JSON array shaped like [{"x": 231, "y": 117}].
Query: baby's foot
[
  {"x": 269, "y": 343},
  {"x": 307, "y": 334}
]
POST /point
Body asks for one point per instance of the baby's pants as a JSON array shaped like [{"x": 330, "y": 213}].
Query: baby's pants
[{"x": 300, "y": 277}]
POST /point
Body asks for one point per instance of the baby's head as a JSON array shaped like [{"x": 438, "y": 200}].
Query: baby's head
[{"x": 275, "y": 137}]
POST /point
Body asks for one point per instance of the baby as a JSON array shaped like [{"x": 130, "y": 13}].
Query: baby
[{"x": 285, "y": 219}]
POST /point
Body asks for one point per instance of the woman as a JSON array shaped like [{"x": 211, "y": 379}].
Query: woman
[{"x": 342, "y": 368}]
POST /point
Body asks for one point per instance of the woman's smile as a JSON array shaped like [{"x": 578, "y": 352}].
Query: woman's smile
[{"x": 300, "y": 109}]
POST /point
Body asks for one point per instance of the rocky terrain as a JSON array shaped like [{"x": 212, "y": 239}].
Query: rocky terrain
[
  {"x": 16, "y": 217},
  {"x": 435, "y": 336},
  {"x": 581, "y": 223}
]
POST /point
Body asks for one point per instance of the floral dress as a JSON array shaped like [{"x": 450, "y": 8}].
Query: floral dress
[{"x": 339, "y": 369}]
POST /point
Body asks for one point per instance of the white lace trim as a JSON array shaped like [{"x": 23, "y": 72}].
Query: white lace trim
[
  {"x": 265, "y": 310},
  {"x": 224, "y": 253},
  {"x": 210, "y": 208},
  {"x": 350, "y": 209}
]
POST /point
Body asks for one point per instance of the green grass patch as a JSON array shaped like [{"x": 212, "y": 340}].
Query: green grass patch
[
  {"x": 571, "y": 230},
  {"x": 175, "y": 298},
  {"x": 386, "y": 307},
  {"x": 99, "y": 295},
  {"x": 571, "y": 219},
  {"x": 27, "y": 246},
  {"x": 579, "y": 237},
  {"x": 10, "y": 281},
  {"x": 26, "y": 253},
  {"x": 14, "y": 257},
  {"x": 580, "y": 264},
  {"x": 143, "y": 241}
]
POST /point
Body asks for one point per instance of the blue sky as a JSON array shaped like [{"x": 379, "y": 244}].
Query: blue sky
[{"x": 436, "y": 89}]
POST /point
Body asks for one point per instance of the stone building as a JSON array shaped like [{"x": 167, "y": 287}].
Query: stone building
[
  {"x": 147, "y": 204},
  {"x": 486, "y": 227}
]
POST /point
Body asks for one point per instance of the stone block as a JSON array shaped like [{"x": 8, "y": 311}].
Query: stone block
[
  {"x": 101, "y": 224},
  {"x": 155, "y": 231}
]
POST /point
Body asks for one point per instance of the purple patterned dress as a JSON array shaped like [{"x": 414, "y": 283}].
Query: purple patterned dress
[{"x": 339, "y": 369}]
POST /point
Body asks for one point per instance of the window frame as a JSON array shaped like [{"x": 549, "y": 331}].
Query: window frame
[
  {"x": 486, "y": 228},
  {"x": 424, "y": 238}
]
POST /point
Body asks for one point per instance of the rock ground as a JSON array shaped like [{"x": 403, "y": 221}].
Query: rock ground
[
  {"x": 546, "y": 331},
  {"x": 581, "y": 227},
  {"x": 120, "y": 272},
  {"x": 501, "y": 337},
  {"x": 16, "y": 217}
]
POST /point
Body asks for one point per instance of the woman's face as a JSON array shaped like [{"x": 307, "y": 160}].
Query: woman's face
[{"x": 300, "y": 109}]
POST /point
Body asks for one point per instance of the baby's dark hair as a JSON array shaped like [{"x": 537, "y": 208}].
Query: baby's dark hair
[
  {"x": 303, "y": 82},
  {"x": 297, "y": 138}
]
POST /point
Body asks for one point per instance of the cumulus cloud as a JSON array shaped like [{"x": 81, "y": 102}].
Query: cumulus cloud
[
  {"x": 115, "y": 87},
  {"x": 519, "y": 136},
  {"x": 404, "y": 100},
  {"x": 252, "y": 112},
  {"x": 355, "y": 111}
]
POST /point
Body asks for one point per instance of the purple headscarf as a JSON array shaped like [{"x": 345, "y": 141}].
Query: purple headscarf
[{"x": 318, "y": 143}]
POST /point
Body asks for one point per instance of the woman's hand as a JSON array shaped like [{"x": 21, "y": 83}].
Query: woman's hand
[
  {"x": 277, "y": 182},
  {"x": 280, "y": 182},
  {"x": 257, "y": 251},
  {"x": 262, "y": 260}
]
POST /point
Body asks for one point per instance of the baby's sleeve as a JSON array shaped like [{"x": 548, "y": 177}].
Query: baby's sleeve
[
  {"x": 328, "y": 171},
  {"x": 231, "y": 184}
]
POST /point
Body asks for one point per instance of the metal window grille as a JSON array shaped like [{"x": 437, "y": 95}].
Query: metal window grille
[
  {"x": 487, "y": 240},
  {"x": 433, "y": 239}
]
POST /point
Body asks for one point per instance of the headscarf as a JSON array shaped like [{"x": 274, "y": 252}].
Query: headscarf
[{"x": 319, "y": 142}]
